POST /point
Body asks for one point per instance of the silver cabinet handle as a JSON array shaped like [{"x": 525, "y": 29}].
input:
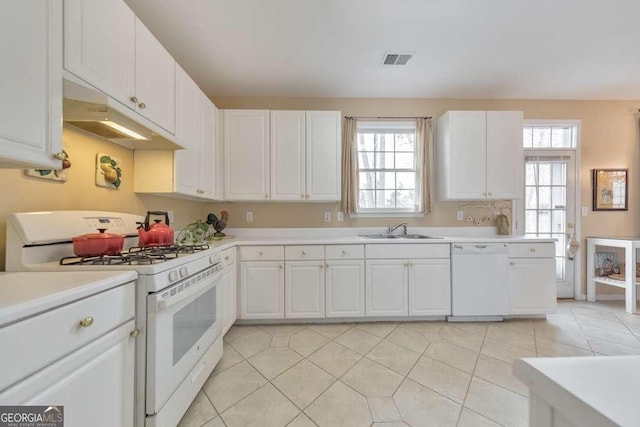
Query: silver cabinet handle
[
  {"x": 260, "y": 253},
  {"x": 532, "y": 249},
  {"x": 344, "y": 252},
  {"x": 321, "y": 266},
  {"x": 481, "y": 246},
  {"x": 411, "y": 264},
  {"x": 226, "y": 258},
  {"x": 304, "y": 253},
  {"x": 135, "y": 333},
  {"x": 280, "y": 267},
  {"x": 326, "y": 265},
  {"x": 200, "y": 191},
  {"x": 142, "y": 105},
  {"x": 512, "y": 263},
  {"x": 457, "y": 246},
  {"x": 134, "y": 99}
]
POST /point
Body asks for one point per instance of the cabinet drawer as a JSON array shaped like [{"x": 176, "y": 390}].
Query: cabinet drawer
[
  {"x": 228, "y": 256},
  {"x": 399, "y": 250},
  {"x": 43, "y": 339},
  {"x": 261, "y": 253},
  {"x": 306, "y": 252},
  {"x": 532, "y": 250},
  {"x": 344, "y": 251}
]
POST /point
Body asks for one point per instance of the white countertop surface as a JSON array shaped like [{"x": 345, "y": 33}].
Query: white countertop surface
[
  {"x": 24, "y": 294},
  {"x": 589, "y": 390}
]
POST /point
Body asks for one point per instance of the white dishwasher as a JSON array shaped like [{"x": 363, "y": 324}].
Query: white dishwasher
[{"x": 479, "y": 281}]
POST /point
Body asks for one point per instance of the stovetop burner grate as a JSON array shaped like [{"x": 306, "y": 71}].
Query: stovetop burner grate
[{"x": 136, "y": 255}]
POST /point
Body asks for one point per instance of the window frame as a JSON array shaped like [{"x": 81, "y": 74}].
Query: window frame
[{"x": 395, "y": 127}]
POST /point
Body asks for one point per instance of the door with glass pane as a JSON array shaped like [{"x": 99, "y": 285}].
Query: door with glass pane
[{"x": 550, "y": 208}]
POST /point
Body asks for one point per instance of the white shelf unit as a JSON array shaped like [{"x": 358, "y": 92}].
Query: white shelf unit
[{"x": 630, "y": 246}]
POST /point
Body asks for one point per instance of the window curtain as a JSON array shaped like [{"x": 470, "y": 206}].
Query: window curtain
[
  {"x": 350, "y": 166},
  {"x": 424, "y": 140}
]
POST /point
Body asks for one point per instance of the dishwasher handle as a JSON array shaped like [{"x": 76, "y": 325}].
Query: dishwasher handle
[{"x": 480, "y": 248}]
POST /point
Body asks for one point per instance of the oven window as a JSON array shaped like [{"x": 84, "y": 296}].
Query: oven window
[{"x": 190, "y": 323}]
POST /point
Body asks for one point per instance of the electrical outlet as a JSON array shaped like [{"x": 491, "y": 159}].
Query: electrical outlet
[
  {"x": 249, "y": 216},
  {"x": 585, "y": 210},
  {"x": 171, "y": 219},
  {"x": 340, "y": 216},
  {"x": 327, "y": 216},
  {"x": 460, "y": 215}
]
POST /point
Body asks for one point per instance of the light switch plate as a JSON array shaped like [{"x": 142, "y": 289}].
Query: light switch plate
[
  {"x": 327, "y": 216},
  {"x": 585, "y": 210},
  {"x": 340, "y": 216},
  {"x": 460, "y": 215},
  {"x": 249, "y": 216}
]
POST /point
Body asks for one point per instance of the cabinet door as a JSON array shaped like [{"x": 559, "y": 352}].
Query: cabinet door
[
  {"x": 287, "y": 155},
  {"x": 504, "y": 155},
  {"x": 261, "y": 290},
  {"x": 187, "y": 126},
  {"x": 323, "y": 155},
  {"x": 96, "y": 379},
  {"x": 532, "y": 285},
  {"x": 246, "y": 152},
  {"x": 386, "y": 288},
  {"x": 206, "y": 163},
  {"x": 462, "y": 147},
  {"x": 304, "y": 289},
  {"x": 99, "y": 46},
  {"x": 429, "y": 287},
  {"x": 155, "y": 79},
  {"x": 31, "y": 83},
  {"x": 345, "y": 288},
  {"x": 229, "y": 298}
]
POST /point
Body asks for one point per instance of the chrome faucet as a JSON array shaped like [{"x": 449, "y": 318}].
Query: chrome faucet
[{"x": 395, "y": 227}]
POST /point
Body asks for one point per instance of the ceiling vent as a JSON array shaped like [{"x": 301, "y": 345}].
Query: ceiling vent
[{"x": 397, "y": 58}]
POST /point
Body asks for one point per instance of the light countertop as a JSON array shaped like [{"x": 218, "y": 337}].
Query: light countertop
[
  {"x": 587, "y": 390},
  {"x": 24, "y": 294}
]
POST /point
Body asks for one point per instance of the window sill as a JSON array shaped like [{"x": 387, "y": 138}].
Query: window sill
[{"x": 387, "y": 215}]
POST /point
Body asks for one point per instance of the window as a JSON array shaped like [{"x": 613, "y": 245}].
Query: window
[
  {"x": 549, "y": 136},
  {"x": 388, "y": 167}
]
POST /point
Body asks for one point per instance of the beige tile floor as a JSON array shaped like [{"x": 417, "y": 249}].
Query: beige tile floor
[{"x": 397, "y": 374}]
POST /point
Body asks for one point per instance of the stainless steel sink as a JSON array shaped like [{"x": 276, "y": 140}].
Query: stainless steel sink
[{"x": 398, "y": 236}]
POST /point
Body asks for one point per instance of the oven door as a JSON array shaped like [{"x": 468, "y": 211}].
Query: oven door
[{"x": 183, "y": 321}]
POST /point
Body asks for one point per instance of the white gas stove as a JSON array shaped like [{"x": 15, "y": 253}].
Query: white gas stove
[{"x": 177, "y": 300}]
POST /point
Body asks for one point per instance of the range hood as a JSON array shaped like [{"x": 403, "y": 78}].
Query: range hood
[{"x": 94, "y": 112}]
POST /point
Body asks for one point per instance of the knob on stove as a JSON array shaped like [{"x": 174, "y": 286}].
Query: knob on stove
[
  {"x": 173, "y": 275},
  {"x": 184, "y": 272},
  {"x": 212, "y": 260}
]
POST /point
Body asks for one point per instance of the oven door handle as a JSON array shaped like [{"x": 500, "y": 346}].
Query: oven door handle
[{"x": 192, "y": 293}]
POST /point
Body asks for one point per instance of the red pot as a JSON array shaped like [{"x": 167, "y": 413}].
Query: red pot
[{"x": 97, "y": 244}]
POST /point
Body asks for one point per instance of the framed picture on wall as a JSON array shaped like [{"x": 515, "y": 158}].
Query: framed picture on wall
[{"x": 610, "y": 189}]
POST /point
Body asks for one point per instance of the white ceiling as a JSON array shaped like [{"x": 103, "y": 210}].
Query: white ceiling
[{"x": 537, "y": 49}]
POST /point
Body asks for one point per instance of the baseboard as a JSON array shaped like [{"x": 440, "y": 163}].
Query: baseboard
[{"x": 613, "y": 297}]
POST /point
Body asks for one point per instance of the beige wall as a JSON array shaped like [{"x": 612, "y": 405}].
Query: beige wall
[
  {"x": 609, "y": 140},
  {"x": 23, "y": 194}
]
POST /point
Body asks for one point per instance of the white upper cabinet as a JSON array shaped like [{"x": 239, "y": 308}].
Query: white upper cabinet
[
  {"x": 112, "y": 50},
  {"x": 155, "y": 79},
  {"x": 505, "y": 158},
  {"x": 304, "y": 148},
  {"x": 479, "y": 155},
  {"x": 207, "y": 170},
  {"x": 187, "y": 115},
  {"x": 31, "y": 84},
  {"x": 193, "y": 171},
  {"x": 287, "y": 155},
  {"x": 246, "y": 148},
  {"x": 99, "y": 46},
  {"x": 323, "y": 155}
]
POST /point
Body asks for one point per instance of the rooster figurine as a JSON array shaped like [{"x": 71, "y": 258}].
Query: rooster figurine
[{"x": 218, "y": 224}]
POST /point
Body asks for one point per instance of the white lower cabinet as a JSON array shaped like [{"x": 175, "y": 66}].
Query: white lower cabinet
[
  {"x": 386, "y": 287},
  {"x": 429, "y": 287},
  {"x": 229, "y": 297},
  {"x": 261, "y": 290},
  {"x": 532, "y": 285},
  {"x": 304, "y": 289},
  {"x": 94, "y": 384},
  {"x": 344, "y": 281}
]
